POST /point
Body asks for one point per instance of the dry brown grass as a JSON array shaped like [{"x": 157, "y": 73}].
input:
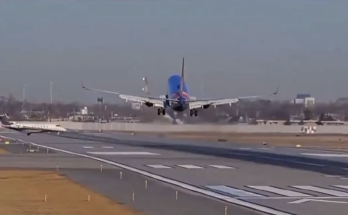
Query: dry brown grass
[
  {"x": 3, "y": 151},
  {"x": 330, "y": 141},
  {"x": 23, "y": 192}
]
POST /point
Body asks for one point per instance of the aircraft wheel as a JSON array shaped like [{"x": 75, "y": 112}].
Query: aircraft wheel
[
  {"x": 158, "y": 111},
  {"x": 191, "y": 112},
  {"x": 196, "y": 112},
  {"x": 164, "y": 111}
]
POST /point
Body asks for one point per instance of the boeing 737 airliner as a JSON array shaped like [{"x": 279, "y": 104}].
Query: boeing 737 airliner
[{"x": 177, "y": 97}]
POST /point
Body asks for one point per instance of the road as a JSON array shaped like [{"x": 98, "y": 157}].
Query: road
[{"x": 276, "y": 180}]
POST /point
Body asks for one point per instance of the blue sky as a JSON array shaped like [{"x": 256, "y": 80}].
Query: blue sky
[{"x": 231, "y": 48}]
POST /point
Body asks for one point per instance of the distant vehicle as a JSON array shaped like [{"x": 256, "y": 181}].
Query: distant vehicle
[
  {"x": 30, "y": 128},
  {"x": 177, "y": 97}
]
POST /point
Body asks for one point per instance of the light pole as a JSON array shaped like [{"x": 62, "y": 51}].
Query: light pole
[{"x": 23, "y": 99}]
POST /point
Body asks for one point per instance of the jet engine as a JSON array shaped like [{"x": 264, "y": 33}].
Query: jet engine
[
  {"x": 148, "y": 104},
  {"x": 206, "y": 106}
]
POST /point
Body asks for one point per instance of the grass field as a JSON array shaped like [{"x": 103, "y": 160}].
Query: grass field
[
  {"x": 2, "y": 151},
  {"x": 23, "y": 193}
]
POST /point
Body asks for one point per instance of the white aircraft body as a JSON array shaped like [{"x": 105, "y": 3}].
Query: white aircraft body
[
  {"x": 30, "y": 128},
  {"x": 177, "y": 97}
]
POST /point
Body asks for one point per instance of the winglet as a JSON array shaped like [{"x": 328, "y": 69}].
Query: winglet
[
  {"x": 276, "y": 92},
  {"x": 83, "y": 86}
]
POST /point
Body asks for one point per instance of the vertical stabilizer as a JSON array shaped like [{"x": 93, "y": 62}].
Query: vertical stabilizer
[
  {"x": 4, "y": 119},
  {"x": 182, "y": 77}
]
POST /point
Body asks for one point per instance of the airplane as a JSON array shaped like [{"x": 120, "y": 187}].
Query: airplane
[
  {"x": 177, "y": 97},
  {"x": 30, "y": 127}
]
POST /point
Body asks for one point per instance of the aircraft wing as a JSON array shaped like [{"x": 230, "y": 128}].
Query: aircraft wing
[
  {"x": 156, "y": 101},
  {"x": 98, "y": 90},
  {"x": 193, "y": 104}
]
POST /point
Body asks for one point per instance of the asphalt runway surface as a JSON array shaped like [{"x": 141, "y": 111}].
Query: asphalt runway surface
[
  {"x": 150, "y": 196},
  {"x": 283, "y": 179}
]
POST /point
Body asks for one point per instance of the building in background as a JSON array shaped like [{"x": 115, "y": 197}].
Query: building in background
[
  {"x": 305, "y": 99},
  {"x": 84, "y": 111}
]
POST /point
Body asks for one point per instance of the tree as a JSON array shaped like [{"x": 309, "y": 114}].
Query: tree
[{"x": 308, "y": 114}]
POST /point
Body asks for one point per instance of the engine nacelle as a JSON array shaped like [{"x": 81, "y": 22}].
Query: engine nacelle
[
  {"x": 148, "y": 104},
  {"x": 206, "y": 106}
]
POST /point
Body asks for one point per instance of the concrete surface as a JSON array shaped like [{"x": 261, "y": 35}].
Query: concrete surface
[
  {"x": 232, "y": 170},
  {"x": 146, "y": 127}
]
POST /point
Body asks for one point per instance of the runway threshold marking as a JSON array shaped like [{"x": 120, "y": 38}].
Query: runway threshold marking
[
  {"x": 171, "y": 181},
  {"x": 234, "y": 191},
  {"x": 323, "y": 190},
  {"x": 283, "y": 192}
]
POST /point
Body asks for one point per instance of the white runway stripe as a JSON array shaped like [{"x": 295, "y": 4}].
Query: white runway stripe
[
  {"x": 221, "y": 167},
  {"x": 87, "y": 147},
  {"x": 190, "y": 166},
  {"x": 122, "y": 153},
  {"x": 108, "y": 147},
  {"x": 282, "y": 192},
  {"x": 326, "y": 155},
  {"x": 159, "y": 166},
  {"x": 342, "y": 186},
  {"x": 323, "y": 190},
  {"x": 233, "y": 191}
]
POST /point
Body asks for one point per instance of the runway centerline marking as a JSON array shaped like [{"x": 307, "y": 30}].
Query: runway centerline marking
[
  {"x": 157, "y": 166},
  {"x": 171, "y": 181},
  {"x": 107, "y": 147},
  {"x": 122, "y": 153},
  {"x": 87, "y": 147},
  {"x": 221, "y": 167},
  {"x": 190, "y": 166}
]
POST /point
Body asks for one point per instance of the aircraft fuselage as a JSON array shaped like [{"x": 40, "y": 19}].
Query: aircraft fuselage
[{"x": 180, "y": 104}]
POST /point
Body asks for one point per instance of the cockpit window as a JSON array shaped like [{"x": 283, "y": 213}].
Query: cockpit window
[{"x": 58, "y": 125}]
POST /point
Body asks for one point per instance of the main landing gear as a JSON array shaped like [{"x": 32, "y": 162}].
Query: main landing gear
[
  {"x": 161, "y": 111},
  {"x": 194, "y": 112}
]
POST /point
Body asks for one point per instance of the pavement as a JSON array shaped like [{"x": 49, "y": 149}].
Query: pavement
[
  {"x": 125, "y": 187},
  {"x": 276, "y": 180}
]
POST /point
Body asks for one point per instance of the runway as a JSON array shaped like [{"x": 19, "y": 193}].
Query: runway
[{"x": 275, "y": 178}]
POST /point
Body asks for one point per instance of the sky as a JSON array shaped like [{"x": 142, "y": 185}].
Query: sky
[{"x": 231, "y": 47}]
